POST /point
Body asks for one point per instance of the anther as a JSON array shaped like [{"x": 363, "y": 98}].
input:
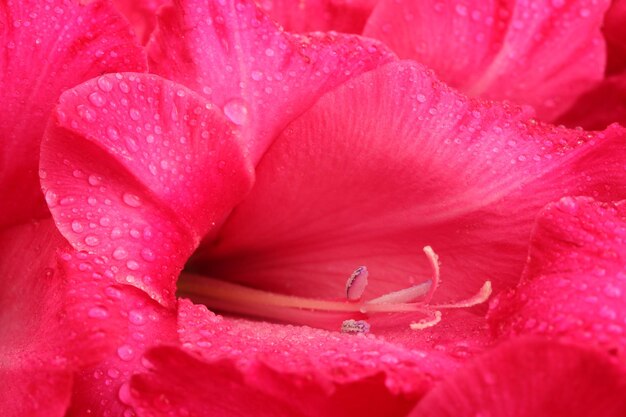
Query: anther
[
  {"x": 355, "y": 286},
  {"x": 355, "y": 326}
]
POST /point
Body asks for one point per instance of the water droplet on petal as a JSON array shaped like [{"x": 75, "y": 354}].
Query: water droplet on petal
[
  {"x": 105, "y": 84},
  {"x": 237, "y": 111},
  {"x": 131, "y": 200},
  {"x": 97, "y": 99},
  {"x": 98, "y": 312},
  {"x": 92, "y": 241},
  {"x": 126, "y": 352}
]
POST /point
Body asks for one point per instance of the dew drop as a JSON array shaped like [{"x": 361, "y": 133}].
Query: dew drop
[
  {"x": 97, "y": 99},
  {"x": 77, "y": 227},
  {"x": 86, "y": 113},
  {"x": 132, "y": 265},
  {"x": 134, "y": 114},
  {"x": 120, "y": 253},
  {"x": 136, "y": 317},
  {"x": 131, "y": 200},
  {"x": 126, "y": 352},
  {"x": 105, "y": 84},
  {"x": 147, "y": 254},
  {"x": 98, "y": 312},
  {"x": 237, "y": 111},
  {"x": 92, "y": 241}
]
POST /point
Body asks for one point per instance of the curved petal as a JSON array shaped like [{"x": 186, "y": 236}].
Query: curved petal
[
  {"x": 599, "y": 107},
  {"x": 394, "y": 161},
  {"x": 348, "y": 16},
  {"x": 239, "y": 59},
  {"x": 148, "y": 167},
  {"x": 542, "y": 53},
  {"x": 141, "y": 14},
  {"x": 574, "y": 285},
  {"x": 48, "y": 46},
  {"x": 530, "y": 378},
  {"x": 289, "y": 366}
]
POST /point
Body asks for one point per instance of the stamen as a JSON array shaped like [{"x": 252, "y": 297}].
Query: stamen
[
  {"x": 355, "y": 326},
  {"x": 356, "y": 284},
  {"x": 404, "y": 296},
  {"x": 426, "y": 323},
  {"x": 434, "y": 266},
  {"x": 235, "y": 298},
  {"x": 480, "y": 297}
]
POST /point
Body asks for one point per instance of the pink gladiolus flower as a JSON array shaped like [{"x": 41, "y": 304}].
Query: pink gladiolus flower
[{"x": 360, "y": 226}]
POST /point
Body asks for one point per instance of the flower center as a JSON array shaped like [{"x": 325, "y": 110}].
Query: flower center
[{"x": 349, "y": 314}]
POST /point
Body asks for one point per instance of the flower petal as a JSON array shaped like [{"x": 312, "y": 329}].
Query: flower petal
[
  {"x": 346, "y": 16},
  {"x": 574, "y": 285},
  {"x": 49, "y": 46},
  {"x": 530, "y": 378},
  {"x": 394, "y": 161},
  {"x": 543, "y": 53},
  {"x": 141, "y": 14},
  {"x": 289, "y": 366},
  {"x": 599, "y": 107},
  {"x": 145, "y": 174},
  {"x": 51, "y": 319},
  {"x": 615, "y": 34},
  {"x": 261, "y": 77}
]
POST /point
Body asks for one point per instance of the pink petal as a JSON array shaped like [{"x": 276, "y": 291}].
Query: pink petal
[
  {"x": 141, "y": 14},
  {"x": 241, "y": 61},
  {"x": 530, "y": 378},
  {"x": 614, "y": 30},
  {"x": 102, "y": 389},
  {"x": 35, "y": 393},
  {"x": 599, "y": 107},
  {"x": 543, "y": 53},
  {"x": 347, "y": 16},
  {"x": 148, "y": 168},
  {"x": 394, "y": 161},
  {"x": 574, "y": 285},
  {"x": 291, "y": 367},
  {"x": 51, "y": 320},
  {"x": 48, "y": 46}
]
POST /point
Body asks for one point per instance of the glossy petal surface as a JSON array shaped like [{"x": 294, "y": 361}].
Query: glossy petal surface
[
  {"x": 574, "y": 285},
  {"x": 150, "y": 167},
  {"x": 48, "y": 46},
  {"x": 239, "y": 59},
  {"x": 543, "y": 53},
  {"x": 530, "y": 378},
  {"x": 394, "y": 161}
]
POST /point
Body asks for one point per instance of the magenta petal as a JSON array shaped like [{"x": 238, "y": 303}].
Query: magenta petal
[
  {"x": 574, "y": 285},
  {"x": 239, "y": 59},
  {"x": 599, "y": 107},
  {"x": 289, "y": 366},
  {"x": 347, "y": 16},
  {"x": 543, "y": 53},
  {"x": 49, "y": 46},
  {"x": 531, "y": 378},
  {"x": 141, "y": 14},
  {"x": 394, "y": 161},
  {"x": 615, "y": 34},
  {"x": 148, "y": 168}
]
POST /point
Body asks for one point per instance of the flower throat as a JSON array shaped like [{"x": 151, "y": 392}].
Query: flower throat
[{"x": 350, "y": 314}]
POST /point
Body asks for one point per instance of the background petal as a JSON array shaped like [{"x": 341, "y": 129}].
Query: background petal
[
  {"x": 543, "y": 53},
  {"x": 530, "y": 378},
  {"x": 239, "y": 59},
  {"x": 348, "y": 16},
  {"x": 574, "y": 285},
  {"x": 49, "y": 46}
]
